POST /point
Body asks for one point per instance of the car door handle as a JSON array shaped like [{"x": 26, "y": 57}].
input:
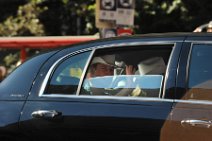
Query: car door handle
[
  {"x": 45, "y": 114},
  {"x": 196, "y": 123}
]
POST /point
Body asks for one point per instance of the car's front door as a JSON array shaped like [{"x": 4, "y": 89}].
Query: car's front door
[{"x": 60, "y": 109}]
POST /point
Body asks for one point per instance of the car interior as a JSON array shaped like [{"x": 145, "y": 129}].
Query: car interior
[{"x": 149, "y": 62}]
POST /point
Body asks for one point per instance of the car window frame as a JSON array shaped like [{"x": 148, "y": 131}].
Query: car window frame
[{"x": 106, "y": 46}]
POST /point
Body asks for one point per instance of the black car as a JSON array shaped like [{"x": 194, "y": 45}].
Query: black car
[{"x": 157, "y": 87}]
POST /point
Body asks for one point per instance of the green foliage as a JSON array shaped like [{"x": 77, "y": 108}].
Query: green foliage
[
  {"x": 161, "y": 16},
  {"x": 26, "y": 21},
  {"x": 69, "y": 17}
]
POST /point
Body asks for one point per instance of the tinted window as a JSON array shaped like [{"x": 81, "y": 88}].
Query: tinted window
[
  {"x": 200, "y": 73},
  {"x": 20, "y": 80},
  {"x": 131, "y": 71},
  {"x": 66, "y": 76}
]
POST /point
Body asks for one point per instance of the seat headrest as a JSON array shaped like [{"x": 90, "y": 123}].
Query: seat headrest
[{"x": 155, "y": 65}]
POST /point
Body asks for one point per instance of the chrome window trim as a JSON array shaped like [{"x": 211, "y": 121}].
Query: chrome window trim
[
  {"x": 205, "y": 102},
  {"x": 167, "y": 73},
  {"x": 125, "y": 44},
  {"x": 84, "y": 72},
  {"x": 188, "y": 64},
  {"x": 198, "y": 42},
  {"x": 93, "y": 49},
  {"x": 109, "y": 97}
]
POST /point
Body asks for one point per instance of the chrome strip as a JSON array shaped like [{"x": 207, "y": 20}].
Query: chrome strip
[
  {"x": 188, "y": 64},
  {"x": 198, "y": 42},
  {"x": 84, "y": 72},
  {"x": 125, "y": 44},
  {"x": 167, "y": 72},
  {"x": 206, "y": 102},
  {"x": 109, "y": 97}
]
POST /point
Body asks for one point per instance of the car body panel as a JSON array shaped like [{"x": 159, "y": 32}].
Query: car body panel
[{"x": 118, "y": 116}]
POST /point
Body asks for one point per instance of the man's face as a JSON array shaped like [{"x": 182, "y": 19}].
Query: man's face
[{"x": 104, "y": 70}]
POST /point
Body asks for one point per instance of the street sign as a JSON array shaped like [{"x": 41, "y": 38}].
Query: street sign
[
  {"x": 102, "y": 23},
  {"x": 107, "y": 10},
  {"x": 111, "y": 14},
  {"x": 125, "y": 12}
]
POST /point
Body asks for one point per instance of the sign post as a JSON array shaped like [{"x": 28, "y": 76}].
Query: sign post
[{"x": 115, "y": 17}]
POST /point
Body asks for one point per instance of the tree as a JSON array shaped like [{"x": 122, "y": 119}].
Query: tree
[
  {"x": 161, "y": 16},
  {"x": 69, "y": 17},
  {"x": 26, "y": 21}
]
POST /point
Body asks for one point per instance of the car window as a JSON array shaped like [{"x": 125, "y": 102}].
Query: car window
[
  {"x": 132, "y": 71},
  {"x": 200, "y": 73},
  {"x": 66, "y": 76}
]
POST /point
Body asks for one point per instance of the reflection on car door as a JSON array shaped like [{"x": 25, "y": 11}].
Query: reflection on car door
[
  {"x": 192, "y": 114},
  {"x": 83, "y": 118}
]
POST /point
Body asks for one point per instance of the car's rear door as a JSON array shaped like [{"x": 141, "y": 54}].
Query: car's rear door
[
  {"x": 191, "y": 116},
  {"x": 57, "y": 109}
]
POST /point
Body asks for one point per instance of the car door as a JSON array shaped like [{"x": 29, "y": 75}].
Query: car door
[
  {"x": 59, "y": 108},
  {"x": 191, "y": 115}
]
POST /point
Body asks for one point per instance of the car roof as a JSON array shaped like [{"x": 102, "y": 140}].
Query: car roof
[{"x": 161, "y": 36}]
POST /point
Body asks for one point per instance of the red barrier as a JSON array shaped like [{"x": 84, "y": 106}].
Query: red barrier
[{"x": 41, "y": 42}]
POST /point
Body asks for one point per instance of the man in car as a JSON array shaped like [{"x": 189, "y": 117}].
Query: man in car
[{"x": 103, "y": 66}]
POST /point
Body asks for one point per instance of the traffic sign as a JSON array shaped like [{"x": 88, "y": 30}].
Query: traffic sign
[
  {"x": 126, "y": 4},
  {"x": 125, "y": 12},
  {"x": 102, "y": 23},
  {"x": 114, "y": 13},
  {"x": 107, "y": 10}
]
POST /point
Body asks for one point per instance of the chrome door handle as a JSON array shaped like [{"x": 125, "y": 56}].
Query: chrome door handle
[
  {"x": 45, "y": 114},
  {"x": 196, "y": 123}
]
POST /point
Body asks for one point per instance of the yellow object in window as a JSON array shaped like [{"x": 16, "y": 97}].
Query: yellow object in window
[{"x": 76, "y": 72}]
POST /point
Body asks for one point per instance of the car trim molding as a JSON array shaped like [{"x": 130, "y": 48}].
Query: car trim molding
[
  {"x": 109, "y": 97},
  {"x": 84, "y": 72},
  {"x": 198, "y": 42},
  {"x": 194, "y": 101},
  {"x": 162, "y": 94}
]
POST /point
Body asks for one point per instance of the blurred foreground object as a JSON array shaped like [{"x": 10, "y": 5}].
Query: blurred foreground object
[
  {"x": 204, "y": 28},
  {"x": 3, "y": 72}
]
